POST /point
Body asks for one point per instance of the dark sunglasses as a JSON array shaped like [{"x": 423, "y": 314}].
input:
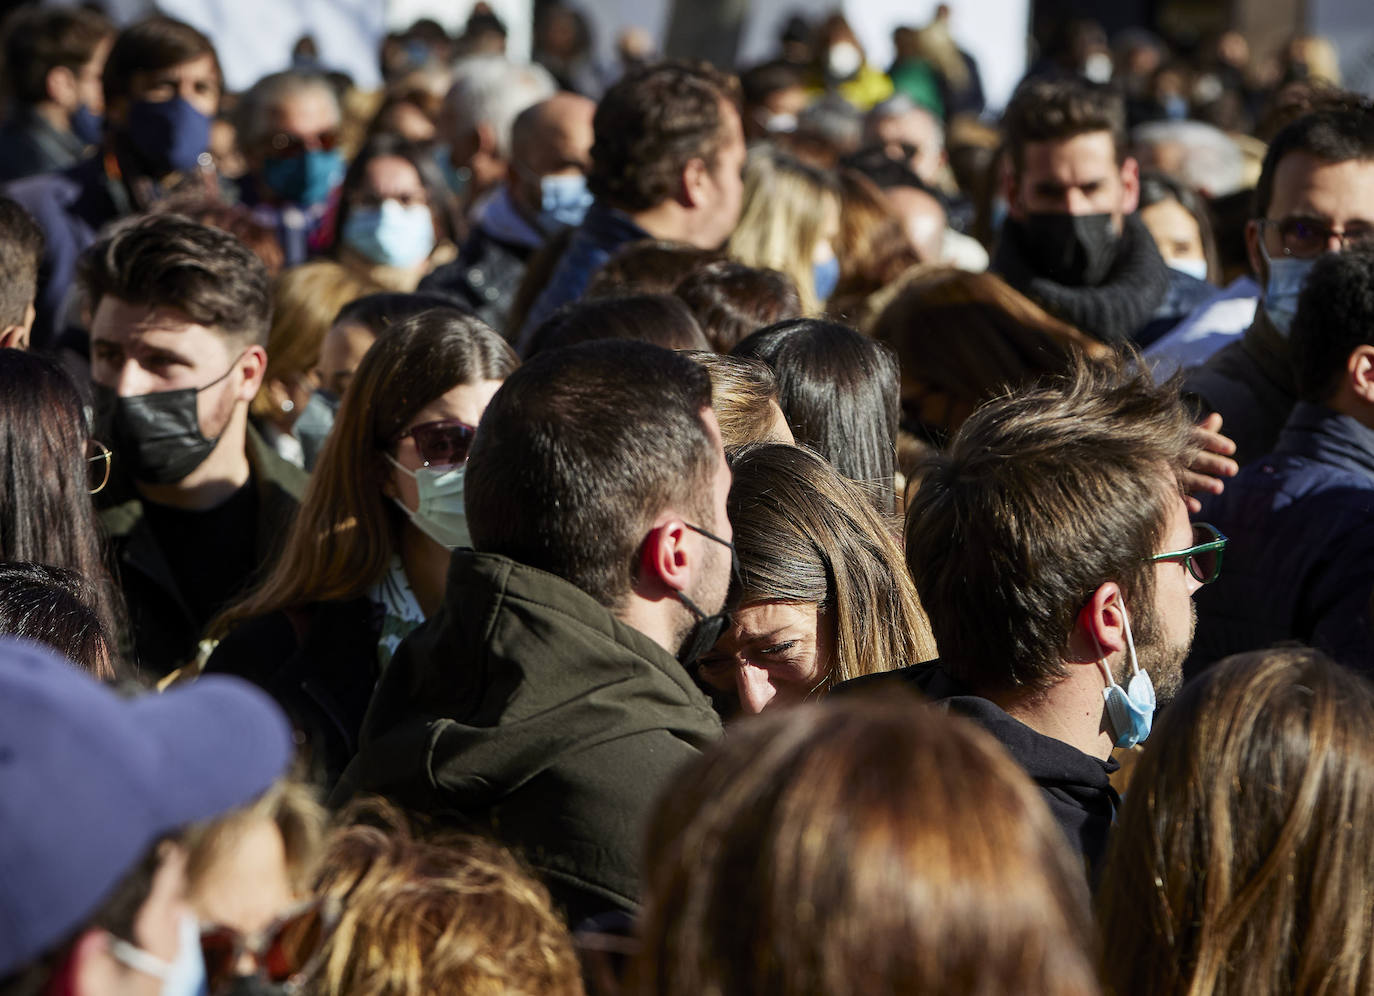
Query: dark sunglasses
[
  {"x": 444, "y": 443},
  {"x": 285, "y": 145},
  {"x": 284, "y": 953},
  {"x": 1203, "y": 558}
]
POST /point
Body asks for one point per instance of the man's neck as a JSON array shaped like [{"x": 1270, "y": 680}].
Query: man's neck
[
  {"x": 666, "y": 222},
  {"x": 53, "y": 115},
  {"x": 1070, "y": 711},
  {"x": 656, "y": 619}
]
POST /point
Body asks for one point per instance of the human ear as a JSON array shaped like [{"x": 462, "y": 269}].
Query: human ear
[
  {"x": 1130, "y": 185},
  {"x": 1359, "y": 368},
  {"x": 253, "y": 365},
  {"x": 664, "y": 556},
  {"x": 1100, "y": 629},
  {"x": 695, "y": 179},
  {"x": 14, "y": 337},
  {"x": 60, "y": 87},
  {"x": 90, "y": 969}
]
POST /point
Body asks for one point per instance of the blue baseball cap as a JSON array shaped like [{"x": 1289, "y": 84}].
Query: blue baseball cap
[{"x": 89, "y": 781}]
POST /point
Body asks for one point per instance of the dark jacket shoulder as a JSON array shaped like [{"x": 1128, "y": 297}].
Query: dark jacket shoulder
[{"x": 1250, "y": 382}]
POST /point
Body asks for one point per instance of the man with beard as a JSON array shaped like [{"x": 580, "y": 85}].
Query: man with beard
[
  {"x": 1072, "y": 241},
  {"x": 197, "y": 502},
  {"x": 1052, "y": 550},
  {"x": 547, "y": 702}
]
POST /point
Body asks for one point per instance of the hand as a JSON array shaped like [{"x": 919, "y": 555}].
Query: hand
[{"x": 1211, "y": 462}]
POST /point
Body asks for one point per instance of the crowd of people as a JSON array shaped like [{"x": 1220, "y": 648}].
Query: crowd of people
[{"x": 551, "y": 527}]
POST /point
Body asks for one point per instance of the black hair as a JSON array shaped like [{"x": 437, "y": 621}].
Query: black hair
[
  {"x": 840, "y": 392},
  {"x": 580, "y": 450},
  {"x": 380, "y": 312},
  {"x": 661, "y": 319},
  {"x": 1335, "y": 315},
  {"x": 1333, "y": 135},
  {"x": 57, "y": 607},
  {"x": 155, "y": 43},
  {"x": 1157, "y": 188},
  {"x": 731, "y": 301},
  {"x": 38, "y": 40}
]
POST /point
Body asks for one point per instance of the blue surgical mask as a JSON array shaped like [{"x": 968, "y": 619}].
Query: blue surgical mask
[
  {"x": 565, "y": 200},
  {"x": 826, "y": 277},
  {"x": 391, "y": 235},
  {"x": 1175, "y": 107},
  {"x": 1130, "y": 710},
  {"x": 441, "y": 514},
  {"x": 1281, "y": 290},
  {"x": 183, "y": 977},
  {"x": 307, "y": 179},
  {"x": 169, "y": 135},
  {"x": 86, "y": 125},
  {"x": 1195, "y": 268}
]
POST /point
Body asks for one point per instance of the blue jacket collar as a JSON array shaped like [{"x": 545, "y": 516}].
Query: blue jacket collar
[{"x": 1321, "y": 434}]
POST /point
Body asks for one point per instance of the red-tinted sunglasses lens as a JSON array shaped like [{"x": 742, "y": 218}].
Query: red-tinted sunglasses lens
[
  {"x": 220, "y": 946},
  {"x": 294, "y": 942},
  {"x": 443, "y": 444}
]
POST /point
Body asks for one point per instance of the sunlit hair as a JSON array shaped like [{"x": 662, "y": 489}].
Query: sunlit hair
[
  {"x": 290, "y": 806},
  {"x": 965, "y": 338},
  {"x": 343, "y": 537},
  {"x": 744, "y": 395},
  {"x": 786, "y": 206},
  {"x": 806, "y": 534},
  {"x": 449, "y": 914},
  {"x": 873, "y": 246},
  {"x": 1243, "y": 859},
  {"x": 305, "y": 300},
  {"x": 858, "y": 848}
]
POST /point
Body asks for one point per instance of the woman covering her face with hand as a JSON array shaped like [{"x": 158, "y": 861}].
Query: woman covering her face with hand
[
  {"x": 823, "y": 594},
  {"x": 367, "y": 555}
]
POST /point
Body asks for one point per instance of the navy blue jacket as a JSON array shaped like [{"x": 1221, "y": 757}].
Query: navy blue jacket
[
  {"x": 1300, "y": 562},
  {"x": 71, "y": 206},
  {"x": 602, "y": 232}
]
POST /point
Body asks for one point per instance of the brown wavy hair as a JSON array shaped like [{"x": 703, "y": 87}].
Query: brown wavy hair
[
  {"x": 1243, "y": 861},
  {"x": 453, "y": 913},
  {"x": 857, "y": 848},
  {"x": 345, "y": 532}
]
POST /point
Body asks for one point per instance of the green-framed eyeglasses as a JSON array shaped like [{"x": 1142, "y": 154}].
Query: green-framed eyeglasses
[{"x": 1203, "y": 558}]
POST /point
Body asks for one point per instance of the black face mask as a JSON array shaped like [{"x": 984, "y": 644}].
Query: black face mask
[
  {"x": 1077, "y": 250},
  {"x": 156, "y": 436},
  {"x": 251, "y": 985},
  {"x": 707, "y": 629}
]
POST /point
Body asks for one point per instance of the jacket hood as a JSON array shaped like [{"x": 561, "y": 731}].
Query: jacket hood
[{"x": 518, "y": 669}]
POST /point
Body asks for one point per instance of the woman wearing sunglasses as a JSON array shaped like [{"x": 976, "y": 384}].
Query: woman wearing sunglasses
[
  {"x": 367, "y": 555},
  {"x": 50, "y": 467}
]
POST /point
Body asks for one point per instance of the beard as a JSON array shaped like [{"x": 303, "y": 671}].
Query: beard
[
  {"x": 1161, "y": 658},
  {"x": 708, "y": 595}
]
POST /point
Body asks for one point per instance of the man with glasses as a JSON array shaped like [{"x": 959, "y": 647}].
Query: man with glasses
[
  {"x": 1052, "y": 550},
  {"x": 197, "y": 502},
  {"x": 1301, "y": 563},
  {"x": 288, "y": 128},
  {"x": 1315, "y": 196}
]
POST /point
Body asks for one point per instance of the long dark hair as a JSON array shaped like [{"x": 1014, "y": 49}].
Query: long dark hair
[
  {"x": 840, "y": 393},
  {"x": 46, "y": 513},
  {"x": 447, "y": 221}
]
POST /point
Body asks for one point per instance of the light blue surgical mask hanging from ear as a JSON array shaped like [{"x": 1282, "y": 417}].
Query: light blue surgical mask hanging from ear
[
  {"x": 826, "y": 277},
  {"x": 1130, "y": 710}
]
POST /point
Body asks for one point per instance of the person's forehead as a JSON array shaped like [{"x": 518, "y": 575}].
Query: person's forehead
[
  {"x": 201, "y": 67},
  {"x": 152, "y": 327},
  {"x": 914, "y": 124},
  {"x": 1303, "y": 183},
  {"x": 392, "y": 173},
  {"x": 305, "y": 111},
  {"x": 1092, "y": 152}
]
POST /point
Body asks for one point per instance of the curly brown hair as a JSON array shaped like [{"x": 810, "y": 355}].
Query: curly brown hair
[{"x": 653, "y": 122}]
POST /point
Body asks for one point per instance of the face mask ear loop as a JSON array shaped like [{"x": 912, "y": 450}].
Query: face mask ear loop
[
  {"x": 397, "y": 464},
  {"x": 1130, "y": 640},
  {"x": 1102, "y": 662}
]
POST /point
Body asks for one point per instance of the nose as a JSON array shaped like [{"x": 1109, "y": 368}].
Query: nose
[
  {"x": 754, "y": 687},
  {"x": 1077, "y": 202},
  {"x": 131, "y": 380}
]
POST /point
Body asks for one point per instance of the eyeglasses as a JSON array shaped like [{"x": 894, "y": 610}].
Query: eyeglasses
[
  {"x": 285, "y": 145},
  {"x": 97, "y": 466},
  {"x": 1203, "y": 558},
  {"x": 1307, "y": 238},
  {"x": 444, "y": 443},
  {"x": 284, "y": 953}
]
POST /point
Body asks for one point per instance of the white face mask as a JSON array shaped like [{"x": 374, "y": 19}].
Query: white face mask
[
  {"x": 843, "y": 60},
  {"x": 1195, "y": 268},
  {"x": 183, "y": 977},
  {"x": 440, "y": 514}
]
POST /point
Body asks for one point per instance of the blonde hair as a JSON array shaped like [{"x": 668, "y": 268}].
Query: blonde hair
[
  {"x": 299, "y": 818},
  {"x": 305, "y": 300},
  {"x": 454, "y": 913},
  {"x": 786, "y": 204}
]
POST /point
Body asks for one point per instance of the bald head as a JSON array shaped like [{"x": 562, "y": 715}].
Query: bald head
[
  {"x": 923, "y": 218},
  {"x": 551, "y": 137}
]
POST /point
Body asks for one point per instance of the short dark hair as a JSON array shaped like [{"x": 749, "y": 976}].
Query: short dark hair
[
  {"x": 758, "y": 83},
  {"x": 1042, "y": 497},
  {"x": 841, "y": 394},
  {"x": 1335, "y": 314},
  {"x": 1333, "y": 135},
  {"x": 384, "y": 309},
  {"x": 57, "y": 607},
  {"x": 648, "y": 266},
  {"x": 41, "y": 39},
  {"x": 1054, "y": 110},
  {"x": 169, "y": 261},
  {"x": 21, "y": 252},
  {"x": 650, "y": 124},
  {"x": 578, "y": 452},
  {"x": 661, "y": 319},
  {"x": 157, "y": 42},
  {"x": 732, "y": 301}
]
